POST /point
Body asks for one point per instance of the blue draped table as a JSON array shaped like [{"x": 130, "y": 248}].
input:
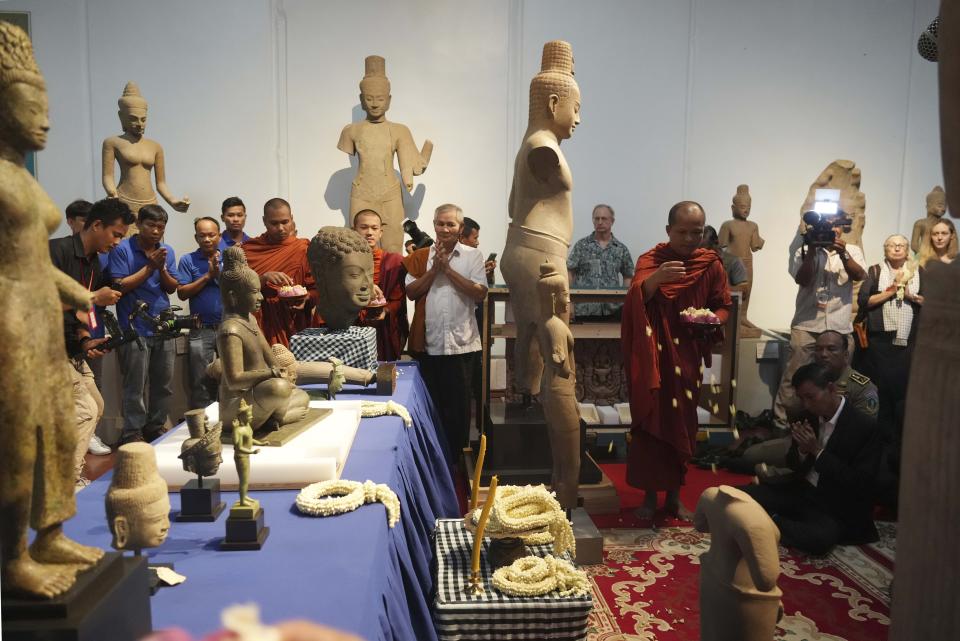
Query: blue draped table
[{"x": 350, "y": 571}]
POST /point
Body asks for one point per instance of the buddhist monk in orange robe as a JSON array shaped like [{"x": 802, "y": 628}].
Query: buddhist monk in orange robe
[{"x": 662, "y": 357}]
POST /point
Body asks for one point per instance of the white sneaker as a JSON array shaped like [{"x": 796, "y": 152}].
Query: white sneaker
[{"x": 98, "y": 447}]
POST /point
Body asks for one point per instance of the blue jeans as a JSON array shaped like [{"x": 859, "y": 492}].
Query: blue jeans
[
  {"x": 148, "y": 371},
  {"x": 202, "y": 350}
]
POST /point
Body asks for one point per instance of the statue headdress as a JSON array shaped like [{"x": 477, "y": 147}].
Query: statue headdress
[
  {"x": 131, "y": 98},
  {"x": 375, "y": 71},
  {"x": 742, "y": 195},
  {"x": 17, "y": 63},
  {"x": 556, "y": 76}
]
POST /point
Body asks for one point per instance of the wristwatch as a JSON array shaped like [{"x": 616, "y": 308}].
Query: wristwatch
[{"x": 844, "y": 256}]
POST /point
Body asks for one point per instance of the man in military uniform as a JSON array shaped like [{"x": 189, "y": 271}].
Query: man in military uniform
[{"x": 830, "y": 350}]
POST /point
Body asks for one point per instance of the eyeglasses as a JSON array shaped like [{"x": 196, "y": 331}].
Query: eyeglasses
[{"x": 897, "y": 246}]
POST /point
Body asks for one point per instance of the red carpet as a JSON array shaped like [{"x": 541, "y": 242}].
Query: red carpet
[{"x": 648, "y": 586}]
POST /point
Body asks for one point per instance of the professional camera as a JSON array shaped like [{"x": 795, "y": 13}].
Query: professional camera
[
  {"x": 168, "y": 324},
  {"x": 419, "y": 237},
  {"x": 824, "y": 219}
]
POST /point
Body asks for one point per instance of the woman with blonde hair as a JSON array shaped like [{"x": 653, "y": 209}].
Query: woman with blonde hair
[{"x": 940, "y": 243}]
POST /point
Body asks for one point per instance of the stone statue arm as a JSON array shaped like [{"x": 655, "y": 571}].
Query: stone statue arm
[
  {"x": 756, "y": 242},
  {"x": 346, "y": 144},
  {"x": 756, "y": 536},
  {"x": 108, "y": 177},
  {"x": 700, "y": 521},
  {"x": 179, "y": 204},
  {"x": 561, "y": 345},
  {"x": 723, "y": 236},
  {"x": 236, "y": 378},
  {"x": 544, "y": 161},
  {"x": 413, "y": 161},
  {"x": 72, "y": 294}
]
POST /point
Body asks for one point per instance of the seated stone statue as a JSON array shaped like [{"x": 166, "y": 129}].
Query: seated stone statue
[
  {"x": 302, "y": 372},
  {"x": 342, "y": 265},
  {"x": 250, "y": 371},
  {"x": 138, "y": 508}
]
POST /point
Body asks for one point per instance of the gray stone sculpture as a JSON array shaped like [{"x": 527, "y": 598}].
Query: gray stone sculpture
[
  {"x": 936, "y": 208},
  {"x": 342, "y": 265},
  {"x": 201, "y": 453},
  {"x": 541, "y": 214},
  {"x": 138, "y": 508}
]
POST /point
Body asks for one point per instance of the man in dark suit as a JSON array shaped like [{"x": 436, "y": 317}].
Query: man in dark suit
[{"x": 835, "y": 452}]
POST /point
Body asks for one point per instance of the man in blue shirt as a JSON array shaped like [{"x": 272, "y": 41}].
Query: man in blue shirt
[
  {"x": 233, "y": 213},
  {"x": 198, "y": 276},
  {"x": 144, "y": 268}
]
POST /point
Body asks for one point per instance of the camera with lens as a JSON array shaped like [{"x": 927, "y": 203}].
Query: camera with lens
[
  {"x": 168, "y": 324},
  {"x": 419, "y": 237},
  {"x": 825, "y": 218}
]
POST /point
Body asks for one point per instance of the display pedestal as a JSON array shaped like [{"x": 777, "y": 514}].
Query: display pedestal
[
  {"x": 109, "y": 601},
  {"x": 588, "y": 537},
  {"x": 245, "y": 529},
  {"x": 200, "y": 503}
]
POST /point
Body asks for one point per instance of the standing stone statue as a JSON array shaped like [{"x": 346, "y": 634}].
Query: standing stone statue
[
  {"x": 375, "y": 141},
  {"x": 739, "y": 596},
  {"x": 243, "y": 443},
  {"x": 202, "y": 452},
  {"x": 845, "y": 176},
  {"x": 249, "y": 369},
  {"x": 741, "y": 237},
  {"x": 137, "y": 156},
  {"x": 342, "y": 265},
  {"x": 38, "y": 429},
  {"x": 541, "y": 215},
  {"x": 936, "y": 208},
  {"x": 138, "y": 508},
  {"x": 557, "y": 387}
]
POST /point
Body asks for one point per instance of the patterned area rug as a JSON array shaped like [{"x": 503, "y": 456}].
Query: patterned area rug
[{"x": 647, "y": 589}]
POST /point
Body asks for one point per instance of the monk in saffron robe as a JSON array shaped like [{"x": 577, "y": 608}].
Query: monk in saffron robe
[
  {"x": 388, "y": 274},
  {"x": 280, "y": 259},
  {"x": 662, "y": 357}
]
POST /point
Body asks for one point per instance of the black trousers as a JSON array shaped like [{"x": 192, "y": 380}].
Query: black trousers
[
  {"x": 449, "y": 380},
  {"x": 804, "y": 523}
]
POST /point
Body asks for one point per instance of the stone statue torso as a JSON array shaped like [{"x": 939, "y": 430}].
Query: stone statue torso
[
  {"x": 375, "y": 145},
  {"x": 251, "y": 338},
  {"x": 543, "y": 206},
  {"x": 740, "y": 232},
  {"x": 136, "y": 160}
]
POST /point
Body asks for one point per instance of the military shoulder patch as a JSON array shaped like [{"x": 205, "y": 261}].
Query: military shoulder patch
[{"x": 859, "y": 378}]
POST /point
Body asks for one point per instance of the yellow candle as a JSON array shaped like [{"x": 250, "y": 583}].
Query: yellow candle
[
  {"x": 481, "y": 526},
  {"x": 478, "y": 468}
]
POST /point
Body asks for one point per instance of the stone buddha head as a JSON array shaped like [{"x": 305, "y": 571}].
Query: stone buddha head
[
  {"x": 342, "y": 265},
  {"x": 375, "y": 88},
  {"x": 552, "y": 290},
  {"x": 24, "y": 118},
  {"x": 741, "y": 202},
  {"x": 133, "y": 111},
  {"x": 239, "y": 285},
  {"x": 936, "y": 202},
  {"x": 554, "y": 94},
  {"x": 202, "y": 452},
  {"x": 138, "y": 508}
]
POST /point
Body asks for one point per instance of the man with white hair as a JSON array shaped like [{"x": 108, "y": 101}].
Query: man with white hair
[
  {"x": 446, "y": 280},
  {"x": 600, "y": 261}
]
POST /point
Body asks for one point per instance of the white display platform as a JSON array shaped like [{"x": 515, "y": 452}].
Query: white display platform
[{"x": 316, "y": 454}]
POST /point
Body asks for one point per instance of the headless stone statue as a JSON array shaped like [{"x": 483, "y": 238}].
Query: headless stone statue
[
  {"x": 138, "y": 508},
  {"x": 202, "y": 452},
  {"x": 375, "y": 140},
  {"x": 741, "y": 237},
  {"x": 249, "y": 368},
  {"x": 739, "y": 597},
  {"x": 137, "y": 157},
  {"x": 557, "y": 386},
  {"x": 38, "y": 429},
  {"x": 540, "y": 207},
  {"x": 342, "y": 265},
  {"x": 936, "y": 208},
  {"x": 845, "y": 176}
]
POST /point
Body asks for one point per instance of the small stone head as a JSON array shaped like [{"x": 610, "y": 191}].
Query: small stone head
[
  {"x": 936, "y": 202},
  {"x": 239, "y": 285},
  {"x": 552, "y": 290},
  {"x": 554, "y": 94},
  {"x": 342, "y": 265},
  {"x": 138, "y": 508},
  {"x": 375, "y": 88},
  {"x": 24, "y": 118},
  {"x": 741, "y": 202},
  {"x": 133, "y": 111},
  {"x": 201, "y": 453}
]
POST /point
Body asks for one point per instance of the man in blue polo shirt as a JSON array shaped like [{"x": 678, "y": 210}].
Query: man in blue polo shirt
[
  {"x": 198, "y": 276},
  {"x": 144, "y": 268},
  {"x": 233, "y": 213}
]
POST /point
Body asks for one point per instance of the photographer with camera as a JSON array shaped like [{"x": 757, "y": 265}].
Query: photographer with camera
[
  {"x": 144, "y": 269},
  {"x": 825, "y": 268},
  {"x": 104, "y": 227}
]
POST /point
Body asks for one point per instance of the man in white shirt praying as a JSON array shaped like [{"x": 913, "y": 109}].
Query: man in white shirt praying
[{"x": 447, "y": 280}]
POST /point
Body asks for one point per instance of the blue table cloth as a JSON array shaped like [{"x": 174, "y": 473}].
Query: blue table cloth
[{"x": 350, "y": 571}]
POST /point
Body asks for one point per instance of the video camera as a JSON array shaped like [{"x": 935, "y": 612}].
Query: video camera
[
  {"x": 419, "y": 237},
  {"x": 166, "y": 325},
  {"x": 824, "y": 219}
]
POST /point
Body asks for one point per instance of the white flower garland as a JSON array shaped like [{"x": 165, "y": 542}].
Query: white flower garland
[
  {"x": 315, "y": 499},
  {"x": 530, "y": 513},
  {"x": 535, "y": 576},
  {"x": 375, "y": 408}
]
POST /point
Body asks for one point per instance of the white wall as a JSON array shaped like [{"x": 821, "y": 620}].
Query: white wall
[{"x": 681, "y": 99}]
